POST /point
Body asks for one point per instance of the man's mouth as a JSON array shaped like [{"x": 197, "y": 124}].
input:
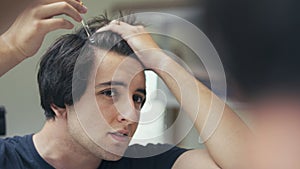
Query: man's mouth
[{"x": 120, "y": 136}]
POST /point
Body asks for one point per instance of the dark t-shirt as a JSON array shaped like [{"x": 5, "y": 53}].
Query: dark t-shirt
[{"x": 20, "y": 153}]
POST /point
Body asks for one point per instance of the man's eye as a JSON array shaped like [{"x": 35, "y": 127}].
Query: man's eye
[
  {"x": 138, "y": 99},
  {"x": 109, "y": 93}
]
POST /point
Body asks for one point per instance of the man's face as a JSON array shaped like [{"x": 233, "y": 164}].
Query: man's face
[{"x": 104, "y": 120}]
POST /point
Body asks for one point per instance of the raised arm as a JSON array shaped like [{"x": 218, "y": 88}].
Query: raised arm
[
  {"x": 25, "y": 36},
  {"x": 227, "y": 143}
]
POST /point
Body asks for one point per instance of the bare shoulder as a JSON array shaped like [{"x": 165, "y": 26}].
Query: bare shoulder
[{"x": 195, "y": 159}]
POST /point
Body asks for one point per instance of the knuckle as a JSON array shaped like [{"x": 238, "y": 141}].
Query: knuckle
[
  {"x": 62, "y": 22},
  {"x": 65, "y": 5},
  {"x": 138, "y": 29},
  {"x": 77, "y": 6},
  {"x": 35, "y": 12},
  {"x": 37, "y": 25}
]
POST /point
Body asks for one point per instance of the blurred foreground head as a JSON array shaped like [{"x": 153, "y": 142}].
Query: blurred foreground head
[{"x": 258, "y": 43}]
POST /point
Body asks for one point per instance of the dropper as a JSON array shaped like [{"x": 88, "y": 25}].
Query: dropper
[{"x": 86, "y": 26}]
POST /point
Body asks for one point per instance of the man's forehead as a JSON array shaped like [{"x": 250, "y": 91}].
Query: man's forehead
[
  {"x": 111, "y": 66},
  {"x": 112, "y": 61},
  {"x": 124, "y": 77}
]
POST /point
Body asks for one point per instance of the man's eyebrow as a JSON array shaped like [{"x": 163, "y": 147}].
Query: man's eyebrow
[
  {"x": 111, "y": 83},
  {"x": 143, "y": 91}
]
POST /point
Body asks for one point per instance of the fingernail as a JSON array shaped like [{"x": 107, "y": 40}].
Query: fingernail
[{"x": 84, "y": 9}]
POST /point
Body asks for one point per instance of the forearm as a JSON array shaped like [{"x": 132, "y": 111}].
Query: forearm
[
  {"x": 227, "y": 142},
  {"x": 9, "y": 57}
]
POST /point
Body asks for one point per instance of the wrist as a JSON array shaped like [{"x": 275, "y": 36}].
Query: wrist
[
  {"x": 154, "y": 58},
  {"x": 11, "y": 50}
]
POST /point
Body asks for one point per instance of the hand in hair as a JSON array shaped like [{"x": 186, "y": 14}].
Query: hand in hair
[
  {"x": 139, "y": 40},
  {"x": 25, "y": 36}
]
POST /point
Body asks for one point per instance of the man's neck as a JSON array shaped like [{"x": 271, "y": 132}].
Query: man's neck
[{"x": 56, "y": 146}]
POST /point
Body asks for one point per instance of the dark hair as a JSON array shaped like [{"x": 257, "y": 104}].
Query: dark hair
[{"x": 56, "y": 70}]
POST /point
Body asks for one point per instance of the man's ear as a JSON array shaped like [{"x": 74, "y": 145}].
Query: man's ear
[{"x": 59, "y": 112}]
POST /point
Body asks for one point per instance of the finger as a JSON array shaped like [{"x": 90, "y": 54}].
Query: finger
[
  {"x": 55, "y": 23},
  {"x": 103, "y": 29},
  {"x": 58, "y": 8},
  {"x": 75, "y": 3},
  {"x": 122, "y": 24},
  {"x": 124, "y": 29},
  {"x": 116, "y": 26}
]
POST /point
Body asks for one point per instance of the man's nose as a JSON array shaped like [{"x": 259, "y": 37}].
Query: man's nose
[{"x": 127, "y": 112}]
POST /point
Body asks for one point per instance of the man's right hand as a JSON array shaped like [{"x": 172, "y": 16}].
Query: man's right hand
[{"x": 27, "y": 33}]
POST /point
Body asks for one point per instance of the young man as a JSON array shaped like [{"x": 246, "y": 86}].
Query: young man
[{"x": 92, "y": 93}]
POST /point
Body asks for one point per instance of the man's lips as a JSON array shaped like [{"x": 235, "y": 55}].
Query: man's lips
[{"x": 120, "y": 135}]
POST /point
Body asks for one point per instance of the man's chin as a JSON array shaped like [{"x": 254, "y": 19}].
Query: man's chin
[
  {"x": 111, "y": 157},
  {"x": 114, "y": 158},
  {"x": 110, "y": 152}
]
